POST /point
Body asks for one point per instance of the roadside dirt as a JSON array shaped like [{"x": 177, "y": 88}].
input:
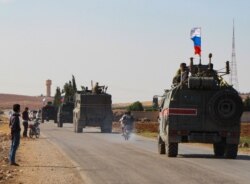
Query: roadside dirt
[{"x": 40, "y": 162}]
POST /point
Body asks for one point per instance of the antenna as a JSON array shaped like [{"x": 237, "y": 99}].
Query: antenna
[{"x": 233, "y": 65}]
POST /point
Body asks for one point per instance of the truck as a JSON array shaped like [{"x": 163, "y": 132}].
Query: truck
[
  {"x": 202, "y": 108},
  {"x": 65, "y": 113},
  {"x": 49, "y": 112},
  {"x": 93, "y": 109}
]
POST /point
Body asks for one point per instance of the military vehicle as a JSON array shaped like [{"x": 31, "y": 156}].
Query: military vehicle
[
  {"x": 202, "y": 108},
  {"x": 49, "y": 112},
  {"x": 65, "y": 113},
  {"x": 93, "y": 108}
]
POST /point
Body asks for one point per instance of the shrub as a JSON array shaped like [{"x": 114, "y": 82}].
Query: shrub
[{"x": 136, "y": 106}]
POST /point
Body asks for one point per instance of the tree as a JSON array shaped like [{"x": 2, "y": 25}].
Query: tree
[
  {"x": 74, "y": 83},
  {"x": 69, "y": 91},
  {"x": 246, "y": 104},
  {"x": 136, "y": 106},
  {"x": 58, "y": 96}
]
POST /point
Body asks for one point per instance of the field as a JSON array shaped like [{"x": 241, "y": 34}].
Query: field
[{"x": 33, "y": 102}]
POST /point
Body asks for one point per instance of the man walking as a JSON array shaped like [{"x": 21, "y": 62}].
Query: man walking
[
  {"x": 15, "y": 133},
  {"x": 25, "y": 116}
]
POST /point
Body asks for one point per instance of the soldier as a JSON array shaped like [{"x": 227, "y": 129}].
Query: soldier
[
  {"x": 181, "y": 74},
  {"x": 98, "y": 89},
  {"x": 95, "y": 88}
]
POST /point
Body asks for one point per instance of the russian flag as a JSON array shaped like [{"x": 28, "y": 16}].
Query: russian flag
[{"x": 196, "y": 37}]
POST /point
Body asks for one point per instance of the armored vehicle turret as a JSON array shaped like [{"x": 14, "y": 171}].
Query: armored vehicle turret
[
  {"x": 201, "y": 108},
  {"x": 93, "y": 108},
  {"x": 49, "y": 112},
  {"x": 65, "y": 113}
]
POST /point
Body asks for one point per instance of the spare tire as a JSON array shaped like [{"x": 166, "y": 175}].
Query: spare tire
[{"x": 225, "y": 107}]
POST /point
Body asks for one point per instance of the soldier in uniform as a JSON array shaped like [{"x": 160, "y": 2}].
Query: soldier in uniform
[
  {"x": 181, "y": 74},
  {"x": 97, "y": 89}
]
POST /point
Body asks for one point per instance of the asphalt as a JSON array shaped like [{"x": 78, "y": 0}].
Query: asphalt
[{"x": 109, "y": 159}]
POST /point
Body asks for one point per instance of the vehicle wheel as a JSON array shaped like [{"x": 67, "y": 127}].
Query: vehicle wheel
[
  {"x": 172, "y": 149},
  {"x": 106, "y": 130},
  {"x": 30, "y": 133},
  {"x": 219, "y": 149},
  {"x": 78, "y": 130},
  {"x": 231, "y": 151},
  {"x": 161, "y": 146},
  {"x": 59, "y": 124},
  {"x": 38, "y": 132}
]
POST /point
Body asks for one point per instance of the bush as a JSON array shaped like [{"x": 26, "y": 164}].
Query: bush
[
  {"x": 246, "y": 104},
  {"x": 136, "y": 106}
]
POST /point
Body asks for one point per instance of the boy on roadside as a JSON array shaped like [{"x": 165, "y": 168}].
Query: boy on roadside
[{"x": 15, "y": 133}]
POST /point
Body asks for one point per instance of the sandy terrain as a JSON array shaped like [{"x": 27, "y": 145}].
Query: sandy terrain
[
  {"x": 33, "y": 102},
  {"x": 40, "y": 162}
]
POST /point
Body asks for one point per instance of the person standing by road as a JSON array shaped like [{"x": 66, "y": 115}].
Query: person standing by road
[
  {"x": 14, "y": 125},
  {"x": 25, "y": 116}
]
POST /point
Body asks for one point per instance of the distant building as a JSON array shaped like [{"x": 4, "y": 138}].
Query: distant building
[{"x": 48, "y": 87}]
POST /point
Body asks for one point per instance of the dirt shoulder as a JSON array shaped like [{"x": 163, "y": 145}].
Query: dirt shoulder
[{"x": 40, "y": 162}]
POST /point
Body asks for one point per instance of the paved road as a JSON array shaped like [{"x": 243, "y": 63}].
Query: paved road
[{"x": 108, "y": 158}]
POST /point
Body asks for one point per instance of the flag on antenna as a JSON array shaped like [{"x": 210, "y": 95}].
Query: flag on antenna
[{"x": 196, "y": 37}]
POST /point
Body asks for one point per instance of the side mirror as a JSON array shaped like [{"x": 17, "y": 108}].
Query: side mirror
[{"x": 155, "y": 103}]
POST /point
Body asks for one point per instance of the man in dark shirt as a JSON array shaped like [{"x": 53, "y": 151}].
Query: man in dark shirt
[
  {"x": 25, "y": 116},
  {"x": 15, "y": 133}
]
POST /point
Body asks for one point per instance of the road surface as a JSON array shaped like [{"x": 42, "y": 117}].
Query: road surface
[{"x": 109, "y": 159}]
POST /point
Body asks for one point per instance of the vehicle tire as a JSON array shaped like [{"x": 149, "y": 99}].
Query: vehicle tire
[
  {"x": 78, "y": 129},
  {"x": 225, "y": 108},
  {"x": 59, "y": 124},
  {"x": 38, "y": 133},
  {"x": 219, "y": 149},
  {"x": 172, "y": 149},
  {"x": 161, "y": 146},
  {"x": 231, "y": 151},
  {"x": 30, "y": 133}
]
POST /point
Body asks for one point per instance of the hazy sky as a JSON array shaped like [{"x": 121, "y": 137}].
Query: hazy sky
[{"x": 133, "y": 46}]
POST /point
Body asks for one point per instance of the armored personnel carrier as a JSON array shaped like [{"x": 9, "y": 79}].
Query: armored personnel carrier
[
  {"x": 49, "y": 112},
  {"x": 201, "y": 108},
  {"x": 93, "y": 108},
  {"x": 65, "y": 113}
]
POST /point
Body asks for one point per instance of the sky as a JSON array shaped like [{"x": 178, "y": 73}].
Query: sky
[{"x": 132, "y": 46}]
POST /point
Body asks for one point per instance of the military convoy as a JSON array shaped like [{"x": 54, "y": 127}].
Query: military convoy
[
  {"x": 202, "y": 108},
  {"x": 93, "y": 108},
  {"x": 49, "y": 112}
]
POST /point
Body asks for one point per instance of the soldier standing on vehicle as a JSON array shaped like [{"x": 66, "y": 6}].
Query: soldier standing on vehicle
[
  {"x": 95, "y": 88},
  {"x": 15, "y": 133},
  {"x": 181, "y": 74},
  {"x": 25, "y": 116}
]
